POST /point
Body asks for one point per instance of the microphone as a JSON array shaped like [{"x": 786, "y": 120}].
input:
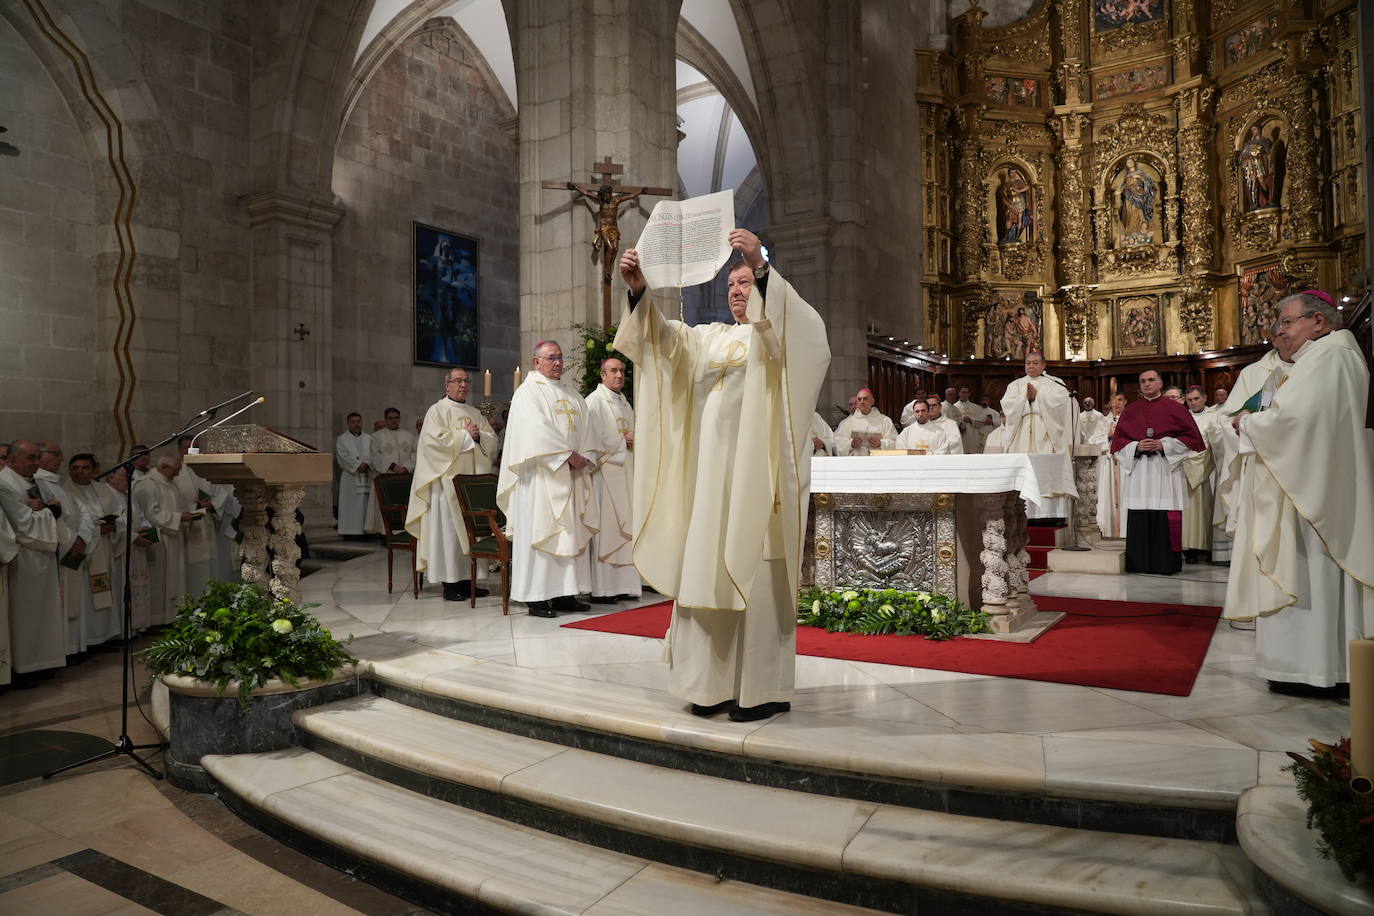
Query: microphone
[
  {"x": 192, "y": 450},
  {"x": 211, "y": 411}
]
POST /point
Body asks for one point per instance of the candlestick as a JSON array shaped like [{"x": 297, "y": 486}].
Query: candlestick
[
  {"x": 1362, "y": 707},
  {"x": 486, "y": 384},
  {"x": 517, "y": 376}
]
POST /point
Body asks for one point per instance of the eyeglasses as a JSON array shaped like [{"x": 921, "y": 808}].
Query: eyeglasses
[
  {"x": 1287, "y": 322},
  {"x": 451, "y": 381},
  {"x": 551, "y": 359}
]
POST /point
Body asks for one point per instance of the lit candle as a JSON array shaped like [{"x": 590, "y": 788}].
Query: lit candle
[
  {"x": 486, "y": 384},
  {"x": 1362, "y": 708},
  {"x": 517, "y": 376}
]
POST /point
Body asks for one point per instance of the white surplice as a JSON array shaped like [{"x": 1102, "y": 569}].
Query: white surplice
[
  {"x": 873, "y": 423},
  {"x": 1088, "y": 423},
  {"x": 722, "y": 482},
  {"x": 434, "y": 518},
  {"x": 822, "y": 431},
  {"x": 1043, "y": 426},
  {"x": 550, "y": 513},
  {"x": 355, "y": 486},
  {"x": 158, "y": 502},
  {"x": 198, "y": 534},
  {"x": 1111, "y": 518},
  {"x": 38, "y": 623},
  {"x": 612, "y": 547},
  {"x": 75, "y": 584},
  {"x": 1302, "y": 560},
  {"x": 99, "y": 501},
  {"x": 970, "y": 417}
]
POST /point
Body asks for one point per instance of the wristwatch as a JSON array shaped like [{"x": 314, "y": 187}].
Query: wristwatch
[{"x": 761, "y": 272}]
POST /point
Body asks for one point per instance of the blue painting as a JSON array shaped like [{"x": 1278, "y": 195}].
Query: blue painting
[
  {"x": 447, "y": 309},
  {"x": 1113, "y": 14}
]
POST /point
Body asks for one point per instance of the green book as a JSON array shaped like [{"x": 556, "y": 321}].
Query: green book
[
  {"x": 150, "y": 535},
  {"x": 1253, "y": 404}
]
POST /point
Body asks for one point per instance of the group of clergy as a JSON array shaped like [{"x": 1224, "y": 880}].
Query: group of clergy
[
  {"x": 929, "y": 425},
  {"x": 361, "y": 457},
  {"x": 63, "y": 551},
  {"x": 565, "y": 466}
]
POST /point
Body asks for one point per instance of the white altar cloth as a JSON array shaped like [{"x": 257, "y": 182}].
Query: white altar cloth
[{"x": 935, "y": 474}]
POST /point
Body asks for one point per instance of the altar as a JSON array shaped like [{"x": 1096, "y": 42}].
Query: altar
[{"x": 952, "y": 524}]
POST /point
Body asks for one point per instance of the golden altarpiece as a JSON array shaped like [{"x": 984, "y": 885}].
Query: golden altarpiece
[{"x": 1121, "y": 178}]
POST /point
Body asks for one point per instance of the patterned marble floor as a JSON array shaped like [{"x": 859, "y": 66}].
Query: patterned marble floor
[{"x": 1229, "y": 734}]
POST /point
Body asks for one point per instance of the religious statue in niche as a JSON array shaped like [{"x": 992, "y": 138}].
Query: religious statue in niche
[
  {"x": 1137, "y": 325},
  {"x": 1015, "y": 210},
  {"x": 1262, "y": 166},
  {"x": 1113, "y": 14},
  {"x": 1137, "y": 209},
  {"x": 1261, "y": 288},
  {"x": 1250, "y": 40},
  {"x": 1012, "y": 325}
]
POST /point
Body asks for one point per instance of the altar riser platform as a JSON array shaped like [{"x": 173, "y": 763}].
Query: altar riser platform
[{"x": 387, "y": 784}]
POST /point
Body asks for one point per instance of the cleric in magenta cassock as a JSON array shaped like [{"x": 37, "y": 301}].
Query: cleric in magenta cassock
[{"x": 1151, "y": 440}]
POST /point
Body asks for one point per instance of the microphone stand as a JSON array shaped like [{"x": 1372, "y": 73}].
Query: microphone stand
[{"x": 124, "y": 745}]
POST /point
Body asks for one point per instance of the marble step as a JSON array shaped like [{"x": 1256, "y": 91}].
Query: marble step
[
  {"x": 765, "y": 835},
  {"x": 451, "y": 859},
  {"x": 1139, "y": 788}
]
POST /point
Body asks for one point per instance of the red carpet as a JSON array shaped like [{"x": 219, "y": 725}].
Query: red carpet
[{"x": 1126, "y": 645}]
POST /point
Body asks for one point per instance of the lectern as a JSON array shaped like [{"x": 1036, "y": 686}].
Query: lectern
[{"x": 267, "y": 469}]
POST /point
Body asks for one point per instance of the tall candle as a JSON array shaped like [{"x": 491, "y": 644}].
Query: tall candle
[
  {"x": 1362, "y": 707},
  {"x": 486, "y": 384},
  {"x": 517, "y": 376}
]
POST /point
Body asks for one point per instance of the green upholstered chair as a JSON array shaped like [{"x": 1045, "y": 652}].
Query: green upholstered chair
[
  {"x": 486, "y": 529},
  {"x": 393, "y": 497}
]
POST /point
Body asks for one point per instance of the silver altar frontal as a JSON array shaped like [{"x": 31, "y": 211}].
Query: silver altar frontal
[{"x": 950, "y": 524}]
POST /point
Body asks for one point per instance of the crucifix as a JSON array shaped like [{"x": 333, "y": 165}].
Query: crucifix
[{"x": 606, "y": 197}]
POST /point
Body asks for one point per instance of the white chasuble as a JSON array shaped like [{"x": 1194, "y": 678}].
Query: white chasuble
[
  {"x": 1198, "y": 468},
  {"x": 1111, "y": 518},
  {"x": 1255, "y": 385},
  {"x": 722, "y": 479},
  {"x": 395, "y": 450},
  {"x": 355, "y": 484},
  {"x": 75, "y": 584},
  {"x": 970, "y": 417},
  {"x": 862, "y": 426},
  {"x": 822, "y": 431},
  {"x": 550, "y": 513},
  {"x": 1043, "y": 426},
  {"x": 612, "y": 547},
  {"x": 99, "y": 502},
  {"x": 159, "y": 503},
  {"x": 38, "y": 624},
  {"x": 1088, "y": 423},
  {"x": 1302, "y": 561},
  {"x": 9, "y": 551},
  {"x": 953, "y": 436},
  {"x": 929, "y": 436},
  {"x": 434, "y": 518},
  {"x": 197, "y": 534}
]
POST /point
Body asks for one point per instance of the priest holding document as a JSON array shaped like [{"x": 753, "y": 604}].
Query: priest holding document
[
  {"x": 1302, "y": 561},
  {"x": 722, "y": 479}
]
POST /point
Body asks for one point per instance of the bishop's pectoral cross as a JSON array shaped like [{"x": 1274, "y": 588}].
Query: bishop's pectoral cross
[
  {"x": 608, "y": 197},
  {"x": 567, "y": 411}
]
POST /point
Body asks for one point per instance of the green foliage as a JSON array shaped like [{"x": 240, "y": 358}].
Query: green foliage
[
  {"x": 876, "y": 611},
  {"x": 240, "y": 632},
  {"x": 586, "y": 361},
  {"x": 1344, "y": 820}
]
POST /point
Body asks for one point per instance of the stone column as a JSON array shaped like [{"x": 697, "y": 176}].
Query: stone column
[
  {"x": 595, "y": 78},
  {"x": 292, "y": 318}
]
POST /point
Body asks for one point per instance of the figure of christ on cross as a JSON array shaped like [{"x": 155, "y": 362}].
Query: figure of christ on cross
[{"x": 608, "y": 197}]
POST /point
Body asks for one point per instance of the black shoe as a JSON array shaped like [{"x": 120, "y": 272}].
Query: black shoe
[
  {"x": 569, "y": 603},
  {"x": 698, "y": 710},
  {"x": 1294, "y": 689},
  {"x": 541, "y": 609},
  {"x": 604, "y": 599},
  {"x": 761, "y": 711},
  {"x": 454, "y": 591},
  {"x": 464, "y": 590}
]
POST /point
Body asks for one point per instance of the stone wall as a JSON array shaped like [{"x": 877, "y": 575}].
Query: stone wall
[
  {"x": 425, "y": 143},
  {"x": 47, "y": 243}
]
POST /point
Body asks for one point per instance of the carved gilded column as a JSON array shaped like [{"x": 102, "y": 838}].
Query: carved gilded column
[
  {"x": 1199, "y": 231},
  {"x": 1304, "y": 182},
  {"x": 969, "y": 239},
  {"x": 1076, "y": 307}
]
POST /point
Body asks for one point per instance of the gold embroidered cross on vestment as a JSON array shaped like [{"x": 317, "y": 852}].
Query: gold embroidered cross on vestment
[{"x": 734, "y": 358}]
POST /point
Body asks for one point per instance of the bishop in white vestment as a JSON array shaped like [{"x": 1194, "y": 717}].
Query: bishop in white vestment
[
  {"x": 545, "y": 489},
  {"x": 38, "y": 624},
  {"x": 722, "y": 479},
  {"x": 865, "y": 429},
  {"x": 614, "y": 577},
  {"x": 354, "y": 453},
  {"x": 76, "y": 534},
  {"x": 1040, "y": 421},
  {"x": 454, "y": 439},
  {"x": 1302, "y": 560}
]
